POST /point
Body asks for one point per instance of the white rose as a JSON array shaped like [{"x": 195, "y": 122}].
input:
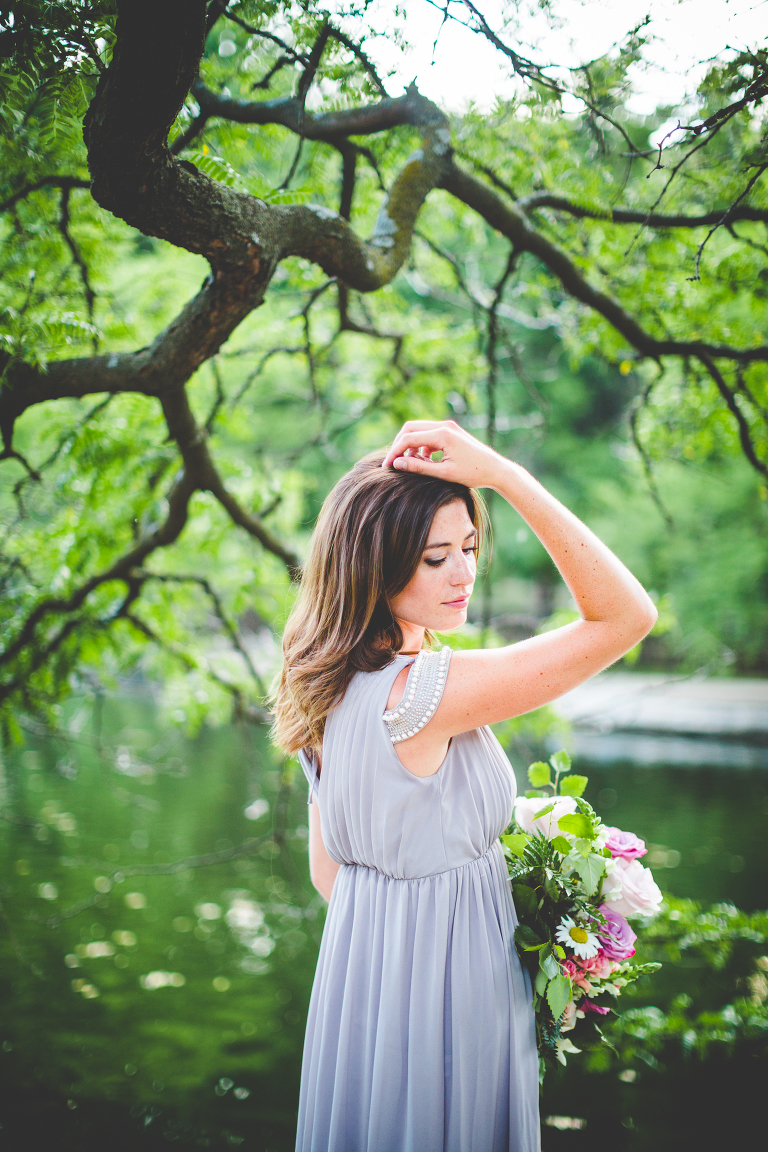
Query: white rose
[
  {"x": 526, "y": 809},
  {"x": 631, "y": 890}
]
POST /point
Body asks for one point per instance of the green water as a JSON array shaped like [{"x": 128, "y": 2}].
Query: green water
[{"x": 169, "y": 1006}]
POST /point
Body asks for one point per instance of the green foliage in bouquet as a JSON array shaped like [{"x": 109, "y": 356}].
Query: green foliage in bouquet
[{"x": 575, "y": 946}]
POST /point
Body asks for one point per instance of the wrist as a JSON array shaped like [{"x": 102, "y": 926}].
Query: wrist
[{"x": 505, "y": 476}]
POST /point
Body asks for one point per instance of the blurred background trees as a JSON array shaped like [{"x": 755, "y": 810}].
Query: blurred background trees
[{"x": 589, "y": 302}]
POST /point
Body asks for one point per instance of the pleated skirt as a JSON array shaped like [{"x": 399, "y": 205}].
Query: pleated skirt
[{"x": 420, "y": 1035}]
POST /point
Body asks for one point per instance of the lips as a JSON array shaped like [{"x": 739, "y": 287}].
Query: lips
[{"x": 460, "y": 603}]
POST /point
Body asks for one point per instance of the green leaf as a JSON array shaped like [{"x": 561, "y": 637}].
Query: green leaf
[
  {"x": 561, "y": 844},
  {"x": 577, "y": 824},
  {"x": 559, "y": 952},
  {"x": 527, "y": 939},
  {"x": 539, "y": 774},
  {"x": 213, "y": 166},
  {"x": 516, "y": 843},
  {"x": 549, "y": 965},
  {"x": 560, "y": 761},
  {"x": 590, "y": 870},
  {"x": 558, "y": 995},
  {"x": 573, "y": 785},
  {"x": 541, "y": 981},
  {"x": 534, "y": 792},
  {"x": 525, "y": 900},
  {"x": 544, "y": 811}
]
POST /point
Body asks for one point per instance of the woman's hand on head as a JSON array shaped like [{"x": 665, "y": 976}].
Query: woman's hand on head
[{"x": 465, "y": 460}]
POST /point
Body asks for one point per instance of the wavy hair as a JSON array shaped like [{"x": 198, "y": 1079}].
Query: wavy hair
[{"x": 368, "y": 541}]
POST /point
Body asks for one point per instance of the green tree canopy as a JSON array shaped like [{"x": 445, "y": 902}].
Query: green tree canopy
[{"x": 165, "y": 446}]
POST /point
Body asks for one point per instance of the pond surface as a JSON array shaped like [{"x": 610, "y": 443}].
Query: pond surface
[{"x": 156, "y": 976}]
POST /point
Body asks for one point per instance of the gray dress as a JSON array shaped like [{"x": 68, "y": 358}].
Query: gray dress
[{"x": 420, "y": 1036}]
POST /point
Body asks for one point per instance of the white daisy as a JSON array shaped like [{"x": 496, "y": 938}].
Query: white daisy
[{"x": 578, "y": 938}]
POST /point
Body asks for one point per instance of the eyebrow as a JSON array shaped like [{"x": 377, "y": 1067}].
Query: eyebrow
[{"x": 447, "y": 543}]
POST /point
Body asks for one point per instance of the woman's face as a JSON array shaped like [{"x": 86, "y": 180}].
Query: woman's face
[{"x": 438, "y": 593}]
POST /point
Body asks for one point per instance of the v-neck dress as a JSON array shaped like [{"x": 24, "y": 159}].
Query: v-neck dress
[{"x": 420, "y": 1035}]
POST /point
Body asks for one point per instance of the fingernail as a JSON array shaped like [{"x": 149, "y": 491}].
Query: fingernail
[{"x": 400, "y": 463}]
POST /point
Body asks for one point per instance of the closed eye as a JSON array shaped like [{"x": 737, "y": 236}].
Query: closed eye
[{"x": 442, "y": 560}]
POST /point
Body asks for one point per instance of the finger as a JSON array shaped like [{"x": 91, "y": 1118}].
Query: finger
[
  {"x": 436, "y": 440},
  {"x": 410, "y": 427},
  {"x": 417, "y": 464}
]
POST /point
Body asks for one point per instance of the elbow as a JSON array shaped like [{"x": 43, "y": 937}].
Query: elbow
[
  {"x": 322, "y": 882},
  {"x": 646, "y": 618}
]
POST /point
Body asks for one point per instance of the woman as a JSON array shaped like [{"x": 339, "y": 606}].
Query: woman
[{"x": 420, "y": 1035}]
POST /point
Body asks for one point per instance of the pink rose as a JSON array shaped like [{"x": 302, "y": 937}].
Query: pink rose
[
  {"x": 582, "y": 971},
  {"x": 631, "y": 889},
  {"x": 577, "y": 975},
  {"x": 617, "y": 939},
  {"x": 624, "y": 844},
  {"x": 526, "y": 808},
  {"x": 599, "y": 967}
]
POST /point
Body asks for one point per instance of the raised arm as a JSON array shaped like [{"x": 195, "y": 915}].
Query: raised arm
[{"x": 488, "y": 685}]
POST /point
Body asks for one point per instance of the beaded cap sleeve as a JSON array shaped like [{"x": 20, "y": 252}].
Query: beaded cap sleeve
[{"x": 423, "y": 690}]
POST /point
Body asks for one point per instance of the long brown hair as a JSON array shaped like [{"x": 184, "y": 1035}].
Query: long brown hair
[{"x": 367, "y": 544}]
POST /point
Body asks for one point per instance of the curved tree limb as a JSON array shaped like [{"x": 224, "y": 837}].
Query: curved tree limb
[{"x": 328, "y": 126}]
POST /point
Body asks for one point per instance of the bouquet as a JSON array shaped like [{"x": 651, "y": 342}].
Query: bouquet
[{"x": 576, "y": 884}]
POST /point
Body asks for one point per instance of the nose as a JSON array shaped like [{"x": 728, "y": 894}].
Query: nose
[{"x": 463, "y": 571}]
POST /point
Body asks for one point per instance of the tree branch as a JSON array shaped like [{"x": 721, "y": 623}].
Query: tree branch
[
  {"x": 165, "y": 534},
  {"x": 218, "y": 608},
  {"x": 725, "y": 218},
  {"x": 298, "y": 57},
  {"x": 626, "y": 216},
  {"x": 77, "y": 259},
  {"x": 199, "y": 466},
  {"x": 411, "y": 108},
  {"x": 745, "y": 435},
  {"x": 357, "y": 51},
  {"x": 512, "y": 223},
  {"x": 67, "y": 182}
]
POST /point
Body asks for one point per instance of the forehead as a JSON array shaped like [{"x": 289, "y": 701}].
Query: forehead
[{"x": 452, "y": 520}]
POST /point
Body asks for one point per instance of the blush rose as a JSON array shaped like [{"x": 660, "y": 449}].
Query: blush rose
[
  {"x": 624, "y": 844},
  {"x": 526, "y": 808},
  {"x": 631, "y": 890}
]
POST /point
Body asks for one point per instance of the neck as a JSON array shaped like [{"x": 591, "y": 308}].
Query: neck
[{"x": 413, "y": 636}]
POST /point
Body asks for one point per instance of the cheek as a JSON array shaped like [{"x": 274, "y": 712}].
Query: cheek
[
  {"x": 427, "y": 582},
  {"x": 425, "y": 586}
]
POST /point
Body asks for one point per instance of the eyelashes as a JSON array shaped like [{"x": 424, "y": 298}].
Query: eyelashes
[{"x": 437, "y": 563}]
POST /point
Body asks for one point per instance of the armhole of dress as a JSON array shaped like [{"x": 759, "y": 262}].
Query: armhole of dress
[
  {"x": 423, "y": 690},
  {"x": 310, "y": 768}
]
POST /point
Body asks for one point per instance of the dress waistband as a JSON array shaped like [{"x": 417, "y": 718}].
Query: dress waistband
[{"x": 426, "y": 876}]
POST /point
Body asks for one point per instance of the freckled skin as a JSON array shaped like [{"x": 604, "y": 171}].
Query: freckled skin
[
  {"x": 438, "y": 593},
  {"x": 485, "y": 686}
]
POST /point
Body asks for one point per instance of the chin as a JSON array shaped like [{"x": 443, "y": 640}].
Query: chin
[{"x": 459, "y": 619}]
